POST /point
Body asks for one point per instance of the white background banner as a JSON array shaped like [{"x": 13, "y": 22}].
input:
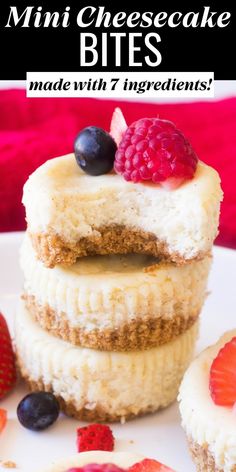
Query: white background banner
[{"x": 121, "y": 84}]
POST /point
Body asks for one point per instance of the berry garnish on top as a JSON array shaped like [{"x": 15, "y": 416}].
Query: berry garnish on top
[
  {"x": 95, "y": 151},
  {"x": 37, "y": 411},
  {"x": 97, "y": 468},
  {"x": 3, "y": 419},
  {"x": 7, "y": 360},
  {"x": 154, "y": 150},
  {"x": 222, "y": 381},
  {"x": 95, "y": 437},
  {"x": 149, "y": 465},
  {"x": 150, "y": 149},
  {"x": 118, "y": 125}
]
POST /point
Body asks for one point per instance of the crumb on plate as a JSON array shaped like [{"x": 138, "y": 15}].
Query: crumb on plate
[{"x": 8, "y": 464}]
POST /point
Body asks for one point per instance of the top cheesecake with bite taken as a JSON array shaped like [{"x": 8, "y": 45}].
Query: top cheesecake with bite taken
[{"x": 161, "y": 201}]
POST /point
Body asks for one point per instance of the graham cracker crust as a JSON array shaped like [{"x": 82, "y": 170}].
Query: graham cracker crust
[
  {"x": 98, "y": 414},
  {"x": 203, "y": 458},
  {"x": 51, "y": 249},
  {"x": 140, "y": 334}
]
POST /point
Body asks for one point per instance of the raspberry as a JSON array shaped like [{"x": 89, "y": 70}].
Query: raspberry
[
  {"x": 97, "y": 468},
  {"x": 222, "y": 382},
  {"x": 95, "y": 437},
  {"x": 155, "y": 150}
]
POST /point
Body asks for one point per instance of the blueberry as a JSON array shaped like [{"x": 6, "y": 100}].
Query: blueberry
[
  {"x": 95, "y": 151},
  {"x": 38, "y": 410}
]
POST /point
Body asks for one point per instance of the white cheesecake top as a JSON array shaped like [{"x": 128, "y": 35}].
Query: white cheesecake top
[
  {"x": 60, "y": 197},
  {"x": 121, "y": 459},
  {"x": 204, "y": 421}
]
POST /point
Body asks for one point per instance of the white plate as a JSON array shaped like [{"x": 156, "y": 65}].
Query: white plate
[{"x": 159, "y": 435}]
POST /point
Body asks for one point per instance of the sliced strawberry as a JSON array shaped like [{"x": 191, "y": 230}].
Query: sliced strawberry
[
  {"x": 149, "y": 465},
  {"x": 95, "y": 437},
  {"x": 7, "y": 360},
  {"x": 118, "y": 125},
  {"x": 222, "y": 381},
  {"x": 3, "y": 419},
  {"x": 172, "y": 183},
  {"x": 75, "y": 469}
]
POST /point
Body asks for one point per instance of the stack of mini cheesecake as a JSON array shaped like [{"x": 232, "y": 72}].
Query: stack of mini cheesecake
[{"x": 115, "y": 279}]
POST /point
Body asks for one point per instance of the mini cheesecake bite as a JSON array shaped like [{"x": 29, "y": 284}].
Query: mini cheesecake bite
[
  {"x": 99, "y": 461},
  {"x": 114, "y": 303},
  {"x": 207, "y": 405},
  {"x": 97, "y": 385}
]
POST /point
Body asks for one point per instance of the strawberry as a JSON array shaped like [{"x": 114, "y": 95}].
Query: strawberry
[
  {"x": 149, "y": 465},
  {"x": 95, "y": 437},
  {"x": 7, "y": 360},
  {"x": 3, "y": 419},
  {"x": 222, "y": 382},
  {"x": 172, "y": 183},
  {"x": 75, "y": 469},
  {"x": 118, "y": 125}
]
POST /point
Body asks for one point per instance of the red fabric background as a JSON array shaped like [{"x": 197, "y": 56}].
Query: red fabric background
[{"x": 34, "y": 130}]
